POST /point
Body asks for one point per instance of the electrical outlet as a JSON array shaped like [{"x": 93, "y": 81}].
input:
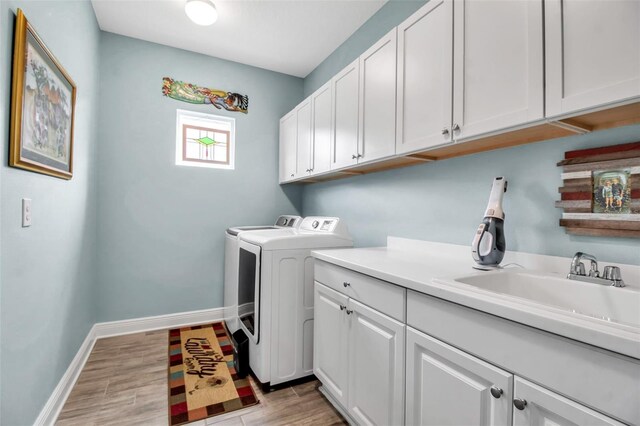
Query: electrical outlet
[{"x": 26, "y": 212}]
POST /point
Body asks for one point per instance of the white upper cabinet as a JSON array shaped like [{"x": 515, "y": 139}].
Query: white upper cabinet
[
  {"x": 345, "y": 88},
  {"x": 466, "y": 70},
  {"x": 498, "y": 65},
  {"x": 303, "y": 133},
  {"x": 321, "y": 129},
  {"x": 288, "y": 136},
  {"x": 425, "y": 61},
  {"x": 592, "y": 53},
  {"x": 378, "y": 100}
]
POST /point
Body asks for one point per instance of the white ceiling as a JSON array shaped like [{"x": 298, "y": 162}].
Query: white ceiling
[{"x": 288, "y": 36}]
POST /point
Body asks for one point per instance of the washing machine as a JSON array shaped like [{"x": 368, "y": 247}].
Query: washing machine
[
  {"x": 231, "y": 264},
  {"x": 275, "y": 295}
]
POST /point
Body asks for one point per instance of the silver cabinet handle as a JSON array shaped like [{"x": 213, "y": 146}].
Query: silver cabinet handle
[
  {"x": 496, "y": 392},
  {"x": 346, "y": 284},
  {"x": 445, "y": 132},
  {"x": 353, "y": 157},
  {"x": 519, "y": 403},
  {"x": 292, "y": 174},
  {"x": 359, "y": 155},
  {"x": 455, "y": 127},
  {"x": 349, "y": 311},
  {"x": 342, "y": 307},
  {"x": 310, "y": 170}
]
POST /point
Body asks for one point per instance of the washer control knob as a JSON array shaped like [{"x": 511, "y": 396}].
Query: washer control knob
[{"x": 315, "y": 224}]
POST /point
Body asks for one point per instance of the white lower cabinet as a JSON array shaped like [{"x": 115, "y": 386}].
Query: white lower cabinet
[
  {"x": 376, "y": 367},
  {"x": 330, "y": 341},
  {"x": 537, "y": 406},
  {"x": 359, "y": 358},
  {"x": 388, "y": 356},
  {"x": 446, "y": 386}
]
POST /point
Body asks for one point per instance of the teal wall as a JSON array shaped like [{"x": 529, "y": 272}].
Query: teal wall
[
  {"x": 444, "y": 201},
  {"x": 389, "y": 16},
  {"x": 161, "y": 226},
  {"x": 48, "y": 270},
  {"x": 133, "y": 235}
]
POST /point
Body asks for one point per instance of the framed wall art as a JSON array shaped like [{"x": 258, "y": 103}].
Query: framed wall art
[
  {"x": 600, "y": 195},
  {"x": 42, "y": 107}
]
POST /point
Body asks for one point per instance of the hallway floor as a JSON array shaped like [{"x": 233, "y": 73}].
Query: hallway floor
[{"x": 125, "y": 382}]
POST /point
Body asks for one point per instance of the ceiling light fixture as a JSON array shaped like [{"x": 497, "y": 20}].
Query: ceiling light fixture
[{"x": 201, "y": 12}]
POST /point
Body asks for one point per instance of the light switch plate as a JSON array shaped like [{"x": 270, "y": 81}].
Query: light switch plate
[{"x": 26, "y": 212}]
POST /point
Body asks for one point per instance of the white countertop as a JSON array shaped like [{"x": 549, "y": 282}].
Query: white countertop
[{"x": 429, "y": 268}]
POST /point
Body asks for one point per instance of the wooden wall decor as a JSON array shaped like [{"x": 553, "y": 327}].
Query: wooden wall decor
[
  {"x": 194, "y": 94},
  {"x": 600, "y": 195}
]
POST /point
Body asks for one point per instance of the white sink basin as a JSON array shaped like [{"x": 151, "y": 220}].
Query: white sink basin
[{"x": 610, "y": 304}]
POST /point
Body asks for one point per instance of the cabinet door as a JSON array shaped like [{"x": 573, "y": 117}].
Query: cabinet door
[
  {"x": 498, "y": 65},
  {"x": 376, "y": 367},
  {"x": 288, "y": 135},
  {"x": 303, "y": 132},
  {"x": 446, "y": 386},
  {"x": 345, "y": 117},
  {"x": 321, "y": 129},
  {"x": 330, "y": 341},
  {"x": 378, "y": 100},
  {"x": 592, "y": 53},
  {"x": 425, "y": 88},
  {"x": 544, "y": 407}
]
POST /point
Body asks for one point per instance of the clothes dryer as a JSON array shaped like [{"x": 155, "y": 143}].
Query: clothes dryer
[
  {"x": 275, "y": 295},
  {"x": 231, "y": 264}
]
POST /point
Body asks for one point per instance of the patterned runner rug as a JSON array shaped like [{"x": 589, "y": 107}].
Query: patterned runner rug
[{"x": 202, "y": 379}]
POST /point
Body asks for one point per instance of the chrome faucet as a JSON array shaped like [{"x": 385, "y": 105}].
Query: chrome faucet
[
  {"x": 612, "y": 275},
  {"x": 577, "y": 267}
]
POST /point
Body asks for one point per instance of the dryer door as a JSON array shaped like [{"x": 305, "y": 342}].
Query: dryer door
[{"x": 249, "y": 289}]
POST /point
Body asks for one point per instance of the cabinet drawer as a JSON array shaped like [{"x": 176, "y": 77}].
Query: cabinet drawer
[{"x": 380, "y": 295}]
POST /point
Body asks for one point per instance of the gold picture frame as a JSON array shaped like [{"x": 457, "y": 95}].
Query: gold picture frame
[{"x": 42, "y": 107}]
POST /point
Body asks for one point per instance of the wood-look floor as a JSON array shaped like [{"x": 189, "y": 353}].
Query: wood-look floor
[{"x": 124, "y": 382}]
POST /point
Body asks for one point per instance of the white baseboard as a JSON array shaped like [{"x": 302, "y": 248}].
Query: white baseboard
[
  {"x": 138, "y": 325},
  {"x": 56, "y": 401},
  {"x": 52, "y": 408}
]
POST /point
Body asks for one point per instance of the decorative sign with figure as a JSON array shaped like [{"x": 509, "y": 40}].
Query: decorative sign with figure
[{"x": 187, "y": 92}]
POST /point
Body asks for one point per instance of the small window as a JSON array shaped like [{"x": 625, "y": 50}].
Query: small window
[{"x": 205, "y": 140}]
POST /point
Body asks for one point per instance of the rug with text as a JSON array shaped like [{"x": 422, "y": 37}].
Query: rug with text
[{"x": 202, "y": 379}]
